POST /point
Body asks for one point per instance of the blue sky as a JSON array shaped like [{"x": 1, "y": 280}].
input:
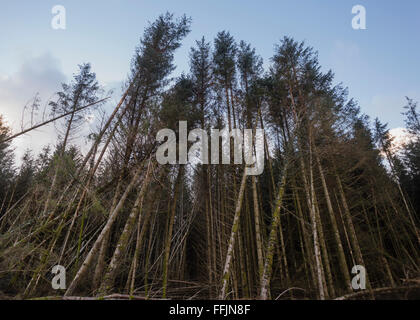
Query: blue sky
[{"x": 380, "y": 65}]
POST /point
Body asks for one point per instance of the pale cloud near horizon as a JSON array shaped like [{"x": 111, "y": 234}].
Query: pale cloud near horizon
[
  {"x": 40, "y": 75},
  {"x": 400, "y": 138}
]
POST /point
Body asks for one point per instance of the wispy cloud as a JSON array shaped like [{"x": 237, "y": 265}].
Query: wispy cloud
[
  {"x": 40, "y": 75},
  {"x": 37, "y": 75}
]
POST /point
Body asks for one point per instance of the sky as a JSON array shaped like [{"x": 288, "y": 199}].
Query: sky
[{"x": 379, "y": 65}]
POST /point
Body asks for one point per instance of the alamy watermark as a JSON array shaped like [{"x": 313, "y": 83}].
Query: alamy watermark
[
  {"x": 248, "y": 147},
  {"x": 59, "y": 19},
  {"x": 359, "y": 20},
  {"x": 359, "y": 280},
  {"x": 59, "y": 280}
]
